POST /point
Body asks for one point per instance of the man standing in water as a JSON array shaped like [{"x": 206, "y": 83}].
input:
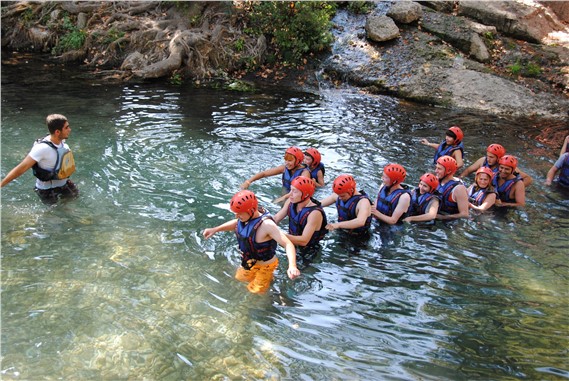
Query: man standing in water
[
  {"x": 257, "y": 236},
  {"x": 52, "y": 163}
]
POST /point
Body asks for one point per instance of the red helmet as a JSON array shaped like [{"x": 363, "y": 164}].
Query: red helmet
[
  {"x": 497, "y": 150},
  {"x": 305, "y": 185},
  {"x": 395, "y": 172},
  {"x": 344, "y": 184},
  {"x": 449, "y": 163},
  {"x": 296, "y": 152},
  {"x": 485, "y": 170},
  {"x": 244, "y": 201},
  {"x": 458, "y": 133},
  {"x": 315, "y": 155},
  {"x": 509, "y": 161},
  {"x": 431, "y": 180}
]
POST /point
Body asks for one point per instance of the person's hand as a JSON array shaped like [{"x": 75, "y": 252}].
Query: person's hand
[
  {"x": 374, "y": 211},
  {"x": 332, "y": 227},
  {"x": 498, "y": 202},
  {"x": 547, "y": 182},
  {"x": 425, "y": 142},
  {"x": 208, "y": 232},
  {"x": 293, "y": 272}
]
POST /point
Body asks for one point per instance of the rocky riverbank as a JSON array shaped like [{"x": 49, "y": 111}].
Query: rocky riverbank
[
  {"x": 427, "y": 55},
  {"x": 504, "y": 57}
]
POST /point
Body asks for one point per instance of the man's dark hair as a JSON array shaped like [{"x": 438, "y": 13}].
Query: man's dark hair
[
  {"x": 55, "y": 122},
  {"x": 451, "y": 134}
]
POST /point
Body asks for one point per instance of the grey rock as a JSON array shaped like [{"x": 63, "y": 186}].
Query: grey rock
[
  {"x": 405, "y": 12},
  {"x": 478, "y": 49},
  {"x": 381, "y": 28},
  {"x": 529, "y": 23}
]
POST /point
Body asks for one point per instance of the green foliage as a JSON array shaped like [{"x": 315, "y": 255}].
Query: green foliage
[
  {"x": 27, "y": 16},
  {"x": 73, "y": 39},
  {"x": 529, "y": 69},
  {"x": 533, "y": 69},
  {"x": 516, "y": 68},
  {"x": 360, "y": 7},
  {"x": 239, "y": 44},
  {"x": 294, "y": 28},
  {"x": 176, "y": 79}
]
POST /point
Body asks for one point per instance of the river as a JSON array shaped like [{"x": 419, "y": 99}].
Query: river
[{"x": 120, "y": 285}]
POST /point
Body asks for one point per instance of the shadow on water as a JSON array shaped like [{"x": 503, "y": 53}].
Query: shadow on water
[{"x": 120, "y": 284}]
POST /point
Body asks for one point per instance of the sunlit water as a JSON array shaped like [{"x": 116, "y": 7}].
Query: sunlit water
[{"x": 120, "y": 285}]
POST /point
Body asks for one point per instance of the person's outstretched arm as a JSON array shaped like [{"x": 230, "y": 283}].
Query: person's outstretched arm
[
  {"x": 266, "y": 173},
  {"x": 19, "y": 170},
  {"x": 227, "y": 226}
]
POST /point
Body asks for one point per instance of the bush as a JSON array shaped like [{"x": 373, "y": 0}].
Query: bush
[
  {"x": 294, "y": 29},
  {"x": 73, "y": 39}
]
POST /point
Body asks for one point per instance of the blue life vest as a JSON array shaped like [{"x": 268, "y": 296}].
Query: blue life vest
[
  {"x": 297, "y": 221},
  {"x": 288, "y": 176},
  {"x": 445, "y": 149},
  {"x": 314, "y": 172},
  {"x": 251, "y": 250},
  {"x": 477, "y": 197},
  {"x": 503, "y": 191},
  {"x": 387, "y": 203},
  {"x": 347, "y": 212},
  {"x": 420, "y": 202},
  {"x": 448, "y": 206},
  {"x": 564, "y": 172}
]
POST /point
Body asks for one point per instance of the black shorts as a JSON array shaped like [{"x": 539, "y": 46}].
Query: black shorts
[{"x": 52, "y": 195}]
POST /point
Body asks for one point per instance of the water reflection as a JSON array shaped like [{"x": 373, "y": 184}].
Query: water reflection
[{"x": 119, "y": 284}]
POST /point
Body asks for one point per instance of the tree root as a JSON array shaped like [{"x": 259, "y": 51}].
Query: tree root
[{"x": 150, "y": 41}]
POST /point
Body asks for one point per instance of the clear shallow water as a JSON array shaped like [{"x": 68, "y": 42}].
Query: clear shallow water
[{"x": 119, "y": 284}]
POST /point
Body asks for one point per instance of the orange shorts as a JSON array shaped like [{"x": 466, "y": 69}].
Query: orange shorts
[{"x": 259, "y": 277}]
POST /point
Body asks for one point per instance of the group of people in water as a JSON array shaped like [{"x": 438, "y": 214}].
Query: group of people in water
[{"x": 439, "y": 195}]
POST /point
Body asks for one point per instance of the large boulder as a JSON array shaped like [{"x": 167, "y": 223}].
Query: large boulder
[
  {"x": 531, "y": 23},
  {"x": 405, "y": 12},
  {"x": 418, "y": 66},
  {"x": 381, "y": 28},
  {"x": 460, "y": 32},
  {"x": 469, "y": 89}
]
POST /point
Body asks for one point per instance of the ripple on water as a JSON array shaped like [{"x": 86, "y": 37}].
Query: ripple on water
[{"x": 121, "y": 284}]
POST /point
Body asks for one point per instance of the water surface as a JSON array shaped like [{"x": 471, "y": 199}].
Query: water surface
[{"x": 120, "y": 285}]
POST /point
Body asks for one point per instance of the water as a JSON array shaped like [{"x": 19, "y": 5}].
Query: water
[{"x": 120, "y": 285}]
